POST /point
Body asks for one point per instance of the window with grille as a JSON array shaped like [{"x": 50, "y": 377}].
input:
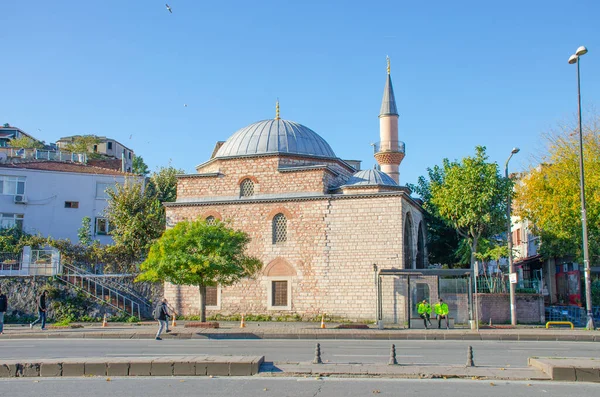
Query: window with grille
[
  {"x": 279, "y": 229},
  {"x": 246, "y": 188},
  {"x": 211, "y": 220},
  {"x": 279, "y": 295},
  {"x": 211, "y": 296}
]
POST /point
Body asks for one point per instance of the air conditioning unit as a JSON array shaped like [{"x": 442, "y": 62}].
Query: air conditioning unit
[{"x": 20, "y": 199}]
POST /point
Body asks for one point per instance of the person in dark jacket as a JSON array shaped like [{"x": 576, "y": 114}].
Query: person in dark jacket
[
  {"x": 42, "y": 307},
  {"x": 161, "y": 314},
  {"x": 3, "y": 308}
]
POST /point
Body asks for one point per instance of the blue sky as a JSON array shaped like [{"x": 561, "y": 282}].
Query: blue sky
[{"x": 465, "y": 73}]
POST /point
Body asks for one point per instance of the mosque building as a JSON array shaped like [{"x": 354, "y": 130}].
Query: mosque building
[{"x": 317, "y": 222}]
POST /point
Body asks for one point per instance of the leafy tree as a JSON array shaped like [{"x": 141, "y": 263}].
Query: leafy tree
[
  {"x": 84, "y": 233},
  {"x": 442, "y": 239},
  {"x": 471, "y": 196},
  {"x": 548, "y": 195},
  {"x": 163, "y": 184},
  {"x": 83, "y": 144},
  {"x": 195, "y": 253},
  {"x": 139, "y": 166},
  {"x": 14, "y": 239},
  {"x": 137, "y": 219},
  {"x": 26, "y": 142}
]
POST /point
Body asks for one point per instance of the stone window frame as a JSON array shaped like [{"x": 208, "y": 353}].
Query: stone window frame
[
  {"x": 278, "y": 222},
  {"x": 270, "y": 293},
  {"x": 245, "y": 181},
  {"x": 218, "y": 305}
]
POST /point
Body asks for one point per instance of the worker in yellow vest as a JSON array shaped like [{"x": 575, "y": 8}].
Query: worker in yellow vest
[
  {"x": 424, "y": 310},
  {"x": 441, "y": 311}
]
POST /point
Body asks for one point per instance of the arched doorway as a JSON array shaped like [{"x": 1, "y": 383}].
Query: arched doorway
[
  {"x": 421, "y": 247},
  {"x": 408, "y": 242}
]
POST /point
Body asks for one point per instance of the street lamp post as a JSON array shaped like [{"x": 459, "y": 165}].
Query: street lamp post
[
  {"x": 511, "y": 268},
  {"x": 575, "y": 58}
]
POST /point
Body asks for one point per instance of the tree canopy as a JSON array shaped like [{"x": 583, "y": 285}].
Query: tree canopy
[
  {"x": 83, "y": 144},
  {"x": 163, "y": 184},
  {"x": 26, "y": 142},
  {"x": 548, "y": 195},
  {"x": 139, "y": 166},
  {"x": 199, "y": 254},
  {"x": 471, "y": 196}
]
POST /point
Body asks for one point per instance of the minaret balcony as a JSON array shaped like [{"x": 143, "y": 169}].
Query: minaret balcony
[{"x": 389, "y": 152}]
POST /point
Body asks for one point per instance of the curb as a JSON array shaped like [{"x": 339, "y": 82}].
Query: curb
[{"x": 128, "y": 366}]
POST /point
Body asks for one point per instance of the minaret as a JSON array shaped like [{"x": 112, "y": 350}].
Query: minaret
[{"x": 390, "y": 151}]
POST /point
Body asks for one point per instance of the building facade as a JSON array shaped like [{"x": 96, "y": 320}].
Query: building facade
[
  {"x": 107, "y": 147},
  {"x": 51, "y": 198},
  {"x": 318, "y": 224}
]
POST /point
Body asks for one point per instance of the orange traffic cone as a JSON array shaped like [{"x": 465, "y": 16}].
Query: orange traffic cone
[
  {"x": 323, "y": 320},
  {"x": 104, "y": 322},
  {"x": 173, "y": 323},
  {"x": 242, "y": 323}
]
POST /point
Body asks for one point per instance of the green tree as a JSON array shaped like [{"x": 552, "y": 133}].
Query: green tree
[
  {"x": 195, "y": 253},
  {"x": 26, "y": 142},
  {"x": 83, "y": 144},
  {"x": 471, "y": 196},
  {"x": 163, "y": 184},
  {"x": 136, "y": 218},
  {"x": 139, "y": 166},
  {"x": 84, "y": 233},
  {"x": 548, "y": 195},
  {"x": 442, "y": 239}
]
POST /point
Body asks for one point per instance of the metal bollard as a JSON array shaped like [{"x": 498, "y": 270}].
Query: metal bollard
[
  {"x": 393, "y": 360},
  {"x": 470, "y": 362},
  {"x": 317, "y": 359}
]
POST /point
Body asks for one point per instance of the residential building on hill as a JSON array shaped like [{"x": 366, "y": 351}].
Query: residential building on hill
[
  {"x": 51, "y": 197},
  {"x": 106, "y": 147}
]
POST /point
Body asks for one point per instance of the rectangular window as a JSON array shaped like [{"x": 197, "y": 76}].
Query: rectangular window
[
  {"x": 8, "y": 221},
  {"x": 102, "y": 187},
  {"x": 12, "y": 185},
  {"x": 129, "y": 155},
  {"x": 211, "y": 296},
  {"x": 95, "y": 148},
  {"x": 109, "y": 145},
  {"x": 71, "y": 204},
  {"x": 279, "y": 293},
  {"x": 103, "y": 227}
]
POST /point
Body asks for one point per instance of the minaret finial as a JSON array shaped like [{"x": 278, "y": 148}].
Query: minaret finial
[
  {"x": 277, "y": 110},
  {"x": 388, "y": 64}
]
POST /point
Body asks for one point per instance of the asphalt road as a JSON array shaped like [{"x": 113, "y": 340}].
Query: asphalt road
[
  {"x": 486, "y": 353},
  {"x": 280, "y": 387}
]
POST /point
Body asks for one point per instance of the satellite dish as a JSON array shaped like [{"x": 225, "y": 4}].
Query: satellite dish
[{"x": 3, "y": 157}]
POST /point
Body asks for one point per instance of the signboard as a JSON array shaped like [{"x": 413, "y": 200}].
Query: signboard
[{"x": 513, "y": 278}]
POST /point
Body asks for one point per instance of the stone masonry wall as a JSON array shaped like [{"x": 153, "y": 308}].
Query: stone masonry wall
[{"x": 530, "y": 308}]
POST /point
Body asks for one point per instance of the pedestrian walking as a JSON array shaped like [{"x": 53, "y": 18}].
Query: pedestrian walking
[
  {"x": 424, "y": 310},
  {"x": 42, "y": 307},
  {"x": 161, "y": 314},
  {"x": 3, "y": 308},
  {"x": 442, "y": 311}
]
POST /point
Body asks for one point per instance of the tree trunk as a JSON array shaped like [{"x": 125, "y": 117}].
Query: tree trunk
[{"x": 202, "y": 302}]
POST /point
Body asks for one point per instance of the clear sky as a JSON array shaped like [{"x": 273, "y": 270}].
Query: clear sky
[{"x": 465, "y": 73}]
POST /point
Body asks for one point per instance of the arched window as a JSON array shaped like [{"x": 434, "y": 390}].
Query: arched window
[
  {"x": 279, "y": 228},
  {"x": 246, "y": 188},
  {"x": 421, "y": 247},
  {"x": 211, "y": 220},
  {"x": 408, "y": 243}
]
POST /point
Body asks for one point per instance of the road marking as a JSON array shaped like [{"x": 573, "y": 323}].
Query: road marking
[{"x": 537, "y": 348}]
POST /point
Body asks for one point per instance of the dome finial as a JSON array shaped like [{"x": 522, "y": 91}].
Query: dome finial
[
  {"x": 277, "y": 110},
  {"x": 388, "y": 64}
]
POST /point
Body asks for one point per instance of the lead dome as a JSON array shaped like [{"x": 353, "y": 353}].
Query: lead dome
[{"x": 275, "y": 136}]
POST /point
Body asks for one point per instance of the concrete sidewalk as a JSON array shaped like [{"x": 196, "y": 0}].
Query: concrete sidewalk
[{"x": 296, "y": 330}]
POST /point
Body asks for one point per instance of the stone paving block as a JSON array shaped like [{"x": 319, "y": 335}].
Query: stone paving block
[
  {"x": 217, "y": 369},
  {"x": 30, "y": 370},
  {"x": 94, "y": 369},
  {"x": 140, "y": 368},
  {"x": 587, "y": 374},
  {"x": 563, "y": 373},
  {"x": 51, "y": 369},
  {"x": 256, "y": 363},
  {"x": 240, "y": 368},
  {"x": 119, "y": 368},
  {"x": 73, "y": 368},
  {"x": 201, "y": 368},
  {"x": 184, "y": 368},
  {"x": 8, "y": 370},
  {"x": 161, "y": 367}
]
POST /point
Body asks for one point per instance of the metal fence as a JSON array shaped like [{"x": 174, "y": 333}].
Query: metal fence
[
  {"x": 498, "y": 285},
  {"x": 575, "y": 314},
  {"x": 30, "y": 263}
]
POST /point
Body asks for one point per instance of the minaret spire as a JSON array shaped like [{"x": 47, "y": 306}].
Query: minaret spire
[
  {"x": 277, "y": 109},
  {"x": 390, "y": 151}
]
